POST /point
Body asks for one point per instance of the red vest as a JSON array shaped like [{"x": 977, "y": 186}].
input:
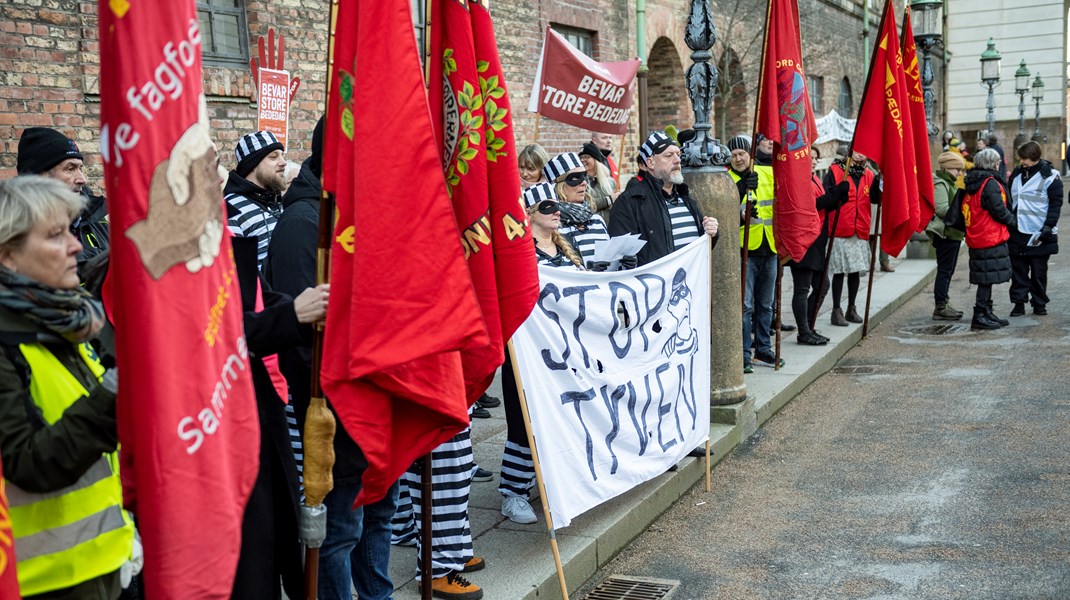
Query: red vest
[
  {"x": 819, "y": 190},
  {"x": 982, "y": 231},
  {"x": 855, "y": 215}
]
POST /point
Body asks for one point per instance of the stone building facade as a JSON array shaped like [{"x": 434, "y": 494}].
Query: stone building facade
[{"x": 49, "y": 64}]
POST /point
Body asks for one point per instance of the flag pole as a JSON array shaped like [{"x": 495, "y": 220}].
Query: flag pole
[
  {"x": 320, "y": 425},
  {"x": 426, "y": 501},
  {"x": 709, "y": 463},
  {"x": 753, "y": 153},
  {"x": 535, "y": 140},
  {"x": 538, "y": 471},
  {"x": 873, "y": 246},
  {"x": 779, "y": 307}
]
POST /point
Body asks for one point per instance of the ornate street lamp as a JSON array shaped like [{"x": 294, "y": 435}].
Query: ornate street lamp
[
  {"x": 1021, "y": 87},
  {"x": 701, "y": 78},
  {"x": 926, "y": 17},
  {"x": 990, "y": 65},
  {"x": 1038, "y": 95}
]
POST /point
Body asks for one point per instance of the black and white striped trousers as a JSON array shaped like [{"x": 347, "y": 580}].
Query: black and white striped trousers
[
  {"x": 518, "y": 471},
  {"x": 451, "y": 480}
]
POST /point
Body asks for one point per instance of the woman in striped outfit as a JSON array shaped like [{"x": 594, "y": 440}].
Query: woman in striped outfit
[
  {"x": 551, "y": 249},
  {"x": 579, "y": 223}
]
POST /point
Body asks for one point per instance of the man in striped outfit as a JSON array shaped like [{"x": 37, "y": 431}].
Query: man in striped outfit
[
  {"x": 659, "y": 208},
  {"x": 254, "y": 189}
]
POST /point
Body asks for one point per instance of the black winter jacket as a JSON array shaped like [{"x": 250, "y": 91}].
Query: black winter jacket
[
  {"x": 990, "y": 266},
  {"x": 641, "y": 209},
  {"x": 1018, "y": 244},
  {"x": 269, "y": 526},
  {"x": 290, "y": 268}
]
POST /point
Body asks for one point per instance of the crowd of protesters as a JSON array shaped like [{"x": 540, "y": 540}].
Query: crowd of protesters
[{"x": 58, "y": 380}]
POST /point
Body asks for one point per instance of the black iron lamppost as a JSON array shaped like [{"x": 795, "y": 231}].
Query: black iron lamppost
[
  {"x": 1021, "y": 87},
  {"x": 701, "y": 78},
  {"x": 1038, "y": 96},
  {"x": 926, "y": 17},
  {"x": 990, "y": 65}
]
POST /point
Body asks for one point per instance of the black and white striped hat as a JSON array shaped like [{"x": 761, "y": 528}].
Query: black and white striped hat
[
  {"x": 655, "y": 144},
  {"x": 252, "y": 148},
  {"x": 538, "y": 193},
  {"x": 561, "y": 164}
]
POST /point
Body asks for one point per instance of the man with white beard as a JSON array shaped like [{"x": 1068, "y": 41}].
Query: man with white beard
[{"x": 659, "y": 208}]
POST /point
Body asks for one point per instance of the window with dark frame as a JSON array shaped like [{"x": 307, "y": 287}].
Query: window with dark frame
[
  {"x": 816, "y": 87},
  {"x": 419, "y": 23},
  {"x": 583, "y": 39},
  {"x": 845, "y": 104},
  {"x": 224, "y": 33}
]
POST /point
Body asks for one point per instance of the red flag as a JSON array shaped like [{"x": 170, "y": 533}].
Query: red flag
[
  {"x": 571, "y": 87},
  {"x": 883, "y": 133},
  {"x": 514, "y": 253},
  {"x": 9, "y": 582},
  {"x": 477, "y": 145},
  {"x": 785, "y": 116},
  {"x": 187, "y": 420},
  {"x": 402, "y": 297},
  {"x": 919, "y": 127}
]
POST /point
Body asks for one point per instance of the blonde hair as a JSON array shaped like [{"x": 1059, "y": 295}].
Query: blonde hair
[
  {"x": 560, "y": 186},
  {"x": 561, "y": 243},
  {"x": 533, "y": 157},
  {"x": 605, "y": 179},
  {"x": 27, "y": 200}
]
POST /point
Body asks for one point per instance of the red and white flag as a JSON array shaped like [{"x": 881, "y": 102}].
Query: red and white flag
[
  {"x": 785, "y": 116},
  {"x": 884, "y": 133},
  {"x": 402, "y": 303},
  {"x": 187, "y": 420},
  {"x": 573, "y": 88}
]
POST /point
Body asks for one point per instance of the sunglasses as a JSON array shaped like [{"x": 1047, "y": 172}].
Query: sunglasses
[
  {"x": 574, "y": 179},
  {"x": 547, "y": 207}
]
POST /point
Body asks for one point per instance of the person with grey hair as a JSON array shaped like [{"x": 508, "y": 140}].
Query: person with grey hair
[
  {"x": 987, "y": 223},
  {"x": 58, "y": 436}
]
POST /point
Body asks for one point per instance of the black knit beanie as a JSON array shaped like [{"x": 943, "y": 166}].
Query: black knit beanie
[{"x": 41, "y": 148}]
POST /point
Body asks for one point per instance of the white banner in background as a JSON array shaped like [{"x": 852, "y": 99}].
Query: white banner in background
[{"x": 616, "y": 370}]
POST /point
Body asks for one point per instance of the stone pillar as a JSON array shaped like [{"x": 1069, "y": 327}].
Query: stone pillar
[{"x": 712, "y": 187}]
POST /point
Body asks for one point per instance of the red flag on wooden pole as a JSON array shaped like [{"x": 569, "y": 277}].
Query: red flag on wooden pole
[
  {"x": 883, "y": 133},
  {"x": 187, "y": 417},
  {"x": 785, "y": 116},
  {"x": 919, "y": 127},
  {"x": 402, "y": 300}
]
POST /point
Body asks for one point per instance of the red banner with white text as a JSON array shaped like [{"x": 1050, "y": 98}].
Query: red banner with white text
[
  {"x": 187, "y": 420},
  {"x": 573, "y": 88}
]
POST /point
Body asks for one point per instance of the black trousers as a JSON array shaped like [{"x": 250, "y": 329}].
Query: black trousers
[
  {"x": 1029, "y": 279},
  {"x": 947, "y": 256},
  {"x": 984, "y": 295},
  {"x": 806, "y": 285}
]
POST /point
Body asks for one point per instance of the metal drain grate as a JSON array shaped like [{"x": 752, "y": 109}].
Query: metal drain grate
[
  {"x": 940, "y": 329},
  {"x": 623, "y": 587}
]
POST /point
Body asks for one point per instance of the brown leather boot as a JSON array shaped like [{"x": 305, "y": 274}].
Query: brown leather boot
[
  {"x": 852, "y": 314},
  {"x": 837, "y": 318}
]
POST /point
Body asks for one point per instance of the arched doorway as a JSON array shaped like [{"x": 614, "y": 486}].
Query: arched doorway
[
  {"x": 730, "y": 104},
  {"x": 666, "y": 93}
]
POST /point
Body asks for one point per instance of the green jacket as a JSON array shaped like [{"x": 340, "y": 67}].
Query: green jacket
[
  {"x": 944, "y": 192},
  {"x": 48, "y": 458}
]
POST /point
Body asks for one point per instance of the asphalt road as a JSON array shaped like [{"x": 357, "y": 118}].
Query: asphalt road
[{"x": 922, "y": 466}]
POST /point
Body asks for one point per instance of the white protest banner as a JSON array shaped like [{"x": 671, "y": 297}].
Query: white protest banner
[
  {"x": 832, "y": 127},
  {"x": 273, "y": 103},
  {"x": 616, "y": 371}
]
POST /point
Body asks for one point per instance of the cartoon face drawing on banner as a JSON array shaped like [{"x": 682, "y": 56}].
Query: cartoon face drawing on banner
[
  {"x": 793, "y": 132},
  {"x": 685, "y": 338},
  {"x": 184, "y": 224}
]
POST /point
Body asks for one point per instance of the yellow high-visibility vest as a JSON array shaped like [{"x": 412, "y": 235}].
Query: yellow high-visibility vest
[
  {"x": 80, "y": 532},
  {"x": 764, "y": 195}
]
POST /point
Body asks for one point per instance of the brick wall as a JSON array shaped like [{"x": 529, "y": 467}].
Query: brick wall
[
  {"x": 49, "y": 66},
  {"x": 50, "y": 76}
]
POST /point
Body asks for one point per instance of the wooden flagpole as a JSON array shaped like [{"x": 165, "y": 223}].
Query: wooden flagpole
[
  {"x": 538, "y": 471},
  {"x": 426, "y": 500},
  {"x": 319, "y": 422},
  {"x": 873, "y": 248},
  {"x": 535, "y": 140},
  {"x": 709, "y": 441}
]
